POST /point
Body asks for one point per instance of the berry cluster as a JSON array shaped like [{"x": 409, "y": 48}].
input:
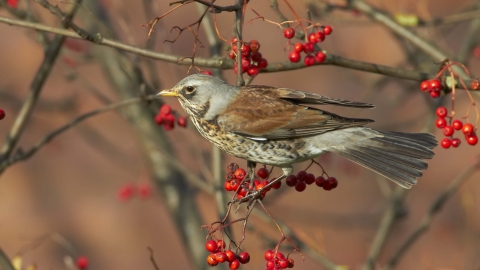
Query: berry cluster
[
  {"x": 82, "y": 262},
  {"x": 252, "y": 59},
  {"x": 431, "y": 86},
  {"x": 302, "y": 179},
  {"x": 218, "y": 254},
  {"x": 2, "y": 114},
  {"x": 467, "y": 129},
  {"x": 167, "y": 119},
  {"x": 127, "y": 191},
  {"x": 308, "y": 47},
  {"x": 278, "y": 261},
  {"x": 235, "y": 180}
]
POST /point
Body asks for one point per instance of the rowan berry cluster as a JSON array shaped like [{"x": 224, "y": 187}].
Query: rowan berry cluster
[
  {"x": 252, "y": 59},
  {"x": 449, "y": 128},
  {"x": 302, "y": 179},
  {"x": 277, "y": 261},
  {"x": 127, "y": 191},
  {"x": 2, "y": 114},
  {"x": 235, "y": 180},
  {"x": 218, "y": 254},
  {"x": 166, "y": 118},
  {"x": 431, "y": 86},
  {"x": 312, "y": 57}
]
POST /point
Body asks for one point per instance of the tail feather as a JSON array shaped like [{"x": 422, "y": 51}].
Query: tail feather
[{"x": 395, "y": 155}]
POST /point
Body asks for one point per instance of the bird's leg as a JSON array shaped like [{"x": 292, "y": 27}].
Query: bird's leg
[
  {"x": 251, "y": 171},
  {"x": 257, "y": 194}
]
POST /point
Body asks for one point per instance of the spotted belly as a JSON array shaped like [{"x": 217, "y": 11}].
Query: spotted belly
[{"x": 272, "y": 152}]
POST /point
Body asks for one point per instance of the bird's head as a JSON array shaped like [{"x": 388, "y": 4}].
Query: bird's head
[{"x": 202, "y": 96}]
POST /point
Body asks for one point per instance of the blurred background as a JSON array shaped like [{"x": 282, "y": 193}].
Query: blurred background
[{"x": 64, "y": 200}]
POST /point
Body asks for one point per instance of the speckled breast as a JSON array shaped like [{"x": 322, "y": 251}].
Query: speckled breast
[{"x": 273, "y": 152}]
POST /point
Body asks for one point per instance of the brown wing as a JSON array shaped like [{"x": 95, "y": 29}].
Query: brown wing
[
  {"x": 262, "y": 113},
  {"x": 301, "y": 97}
]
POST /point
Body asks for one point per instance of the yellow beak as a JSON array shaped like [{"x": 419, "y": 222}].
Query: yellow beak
[{"x": 167, "y": 93}]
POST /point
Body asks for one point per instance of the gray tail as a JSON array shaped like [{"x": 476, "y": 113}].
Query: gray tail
[{"x": 399, "y": 156}]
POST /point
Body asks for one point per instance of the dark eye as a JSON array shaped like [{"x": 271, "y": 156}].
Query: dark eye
[{"x": 189, "y": 89}]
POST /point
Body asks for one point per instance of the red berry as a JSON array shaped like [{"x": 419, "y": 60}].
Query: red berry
[
  {"x": 467, "y": 129},
  {"x": 445, "y": 143},
  {"x": 211, "y": 245},
  {"x": 298, "y": 47},
  {"x": 232, "y": 54},
  {"x": 435, "y": 85},
  {"x": 425, "y": 86},
  {"x": 245, "y": 50},
  {"x": 182, "y": 121},
  {"x": 228, "y": 186},
  {"x": 289, "y": 33},
  {"x": 271, "y": 265},
  {"x": 211, "y": 260},
  {"x": 301, "y": 175},
  {"x": 230, "y": 256},
  {"x": 291, "y": 180},
  {"x": 283, "y": 263},
  {"x": 232, "y": 167},
  {"x": 159, "y": 119},
  {"x": 245, "y": 64},
  {"x": 327, "y": 185},
  {"x": 240, "y": 174},
  {"x": 144, "y": 190},
  {"x": 435, "y": 94},
  {"x": 234, "y": 265},
  {"x": 308, "y": 47},
  {"x": 294, "y": 57},
  {"x": 268, "y": 255},
  {"x": 220, "y": 245},
  {"x": 220, "y": 257},
  {"x": 457, "y": 124},
  {"x": 448, "y": 131},
  {"x": 235, "y": 184},
  {"x": 320, "y": 57},
  {"x": 309, "y": 60},
  {"x": 254, "y": 46},
  {"x": 82, "y": 262},
  {"x": 333, "y": 182},
  {"x": 455, "y": 142},
  {"x": 300, "y": 186},
  {"x": 263, "y": 63},
  {"x": 313, "y": 38},
  {"x": 320, "y": 36},
  {"x": 319, "y": 181},
  {"x": 244, "y": 257},
  {"x": 327, "y": 30},
  {"x": 12, "y": 3},
  {"x": 169, "y": 122},
  {"x": 2, "y": 114},
  {"x": 165, "y": 109},
  {"x": 441, "y": 122},
  {"x": 472, "y": 139},
  {"x": 256, "y": 57},
  {"x": 126, "y": 192},
  {"x": 475, "y": 85},
  {"x": 291, "y": 263},
  {"x": 262, "y": 173},
  {"x": 309, "y": 179},
  {"x": 441, "y": 112},
  {"x": 207, "y": 72},
  {"x": 252, "y": 71},
  {"x": 277, "y": 185}
]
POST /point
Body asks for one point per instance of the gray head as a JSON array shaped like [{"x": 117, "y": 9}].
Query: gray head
[{"x": 202, "y": 95}]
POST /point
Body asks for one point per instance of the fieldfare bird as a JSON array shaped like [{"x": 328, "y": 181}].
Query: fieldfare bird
[{"x": 277, "y": 126}]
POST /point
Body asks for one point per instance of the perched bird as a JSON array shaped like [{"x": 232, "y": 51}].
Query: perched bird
[{"x": 275, "y": 126}]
